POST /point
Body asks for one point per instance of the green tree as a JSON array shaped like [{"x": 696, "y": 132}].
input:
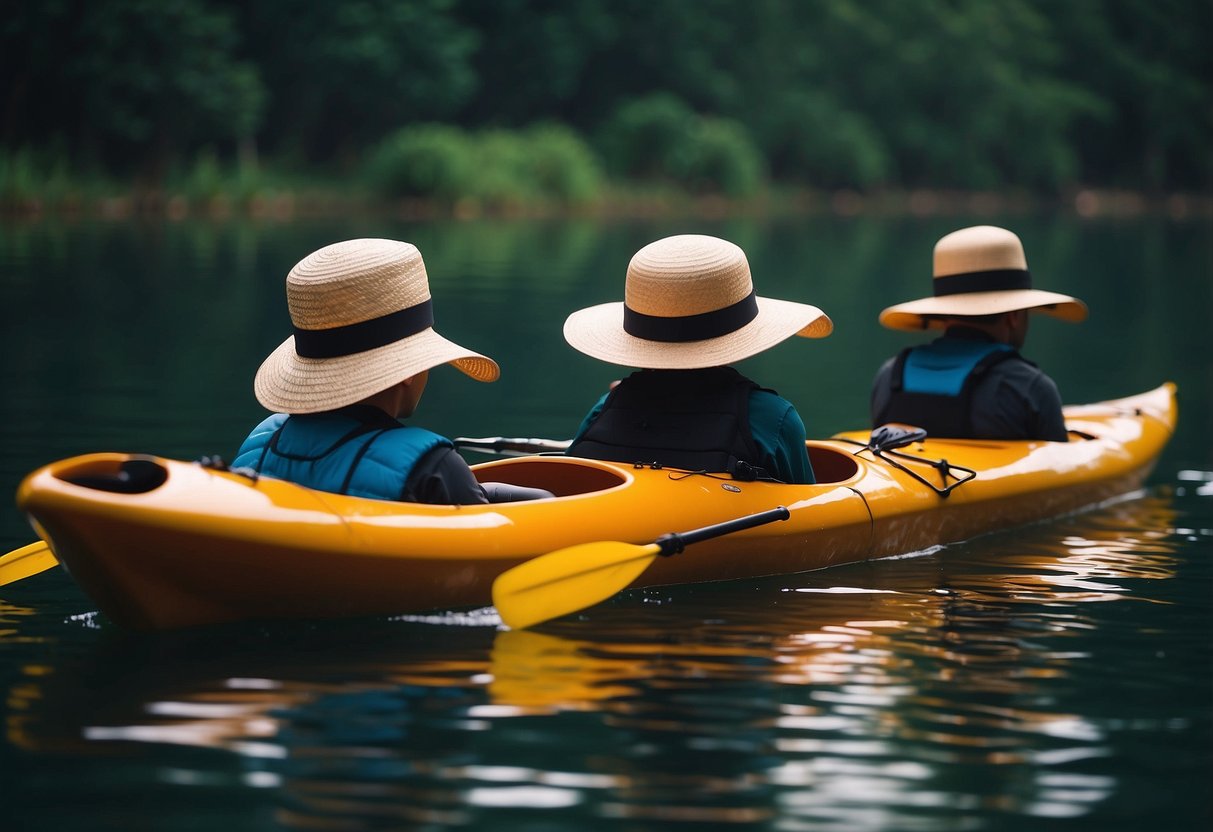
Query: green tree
[
  {"x": 1151, "y": 66},
  {"x": 435, "y": 161},
  {"x": 346, "y": 74},
  {"x": 644, "y": 134},
  {"x": 963, "y": 94},
  {"x": 128, "y": 81},
  {"x": 532, "y": 57},
  {"x": 562, "y": 166},
  {"x": 1019, "y": 94},
  {"x": 720, "y": 157}
]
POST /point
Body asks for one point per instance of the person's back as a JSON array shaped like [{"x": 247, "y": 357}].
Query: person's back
[
  {"x": 950, "y": 391},
  {"x": 363, "y": 452},
  {"x": 691, "y": 309},
  {"x": 972, "y": 381},
  {"x": 358, "y": 362},
  {"x": 712, "y": 419}
]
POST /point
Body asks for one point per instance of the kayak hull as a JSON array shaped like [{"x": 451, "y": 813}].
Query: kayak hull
[{"x": 201, "y": 546}]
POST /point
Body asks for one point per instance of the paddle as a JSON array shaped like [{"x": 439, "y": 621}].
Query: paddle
[
  {"x": 512, "y": 447},
  {"x": 576, "y": 577},
  {"x": 28, "y": 560}
]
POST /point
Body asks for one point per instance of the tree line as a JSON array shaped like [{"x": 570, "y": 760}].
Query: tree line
[{"x": 717, "y": 95}]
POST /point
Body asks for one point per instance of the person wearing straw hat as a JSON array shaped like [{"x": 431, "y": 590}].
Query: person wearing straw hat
[
  {"x": 972, "y": 382},
  {"x": 358, "y": 362},
  {"x": 689, "y": 311}
]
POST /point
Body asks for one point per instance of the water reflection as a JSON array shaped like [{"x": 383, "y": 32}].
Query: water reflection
[
  {"x": 534, "y": 673},
  {"x": 145, "y": 336},
  {"x": 942, "y": 687}
]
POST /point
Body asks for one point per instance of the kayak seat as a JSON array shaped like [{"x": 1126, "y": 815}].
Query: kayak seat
[
  {"x": 504, "y": 492},
  {"x": 554, "y": 476},
  {"x": 566, "y": 477}
]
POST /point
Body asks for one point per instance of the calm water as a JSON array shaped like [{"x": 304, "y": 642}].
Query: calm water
[{"x": 1055, "y": 676}]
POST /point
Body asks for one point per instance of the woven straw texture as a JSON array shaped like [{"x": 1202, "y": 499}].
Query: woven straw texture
[
  {"x": 685, "y": 275},
  {"x": 979, "y": 249},
  {"x": 348, "y": 283}
]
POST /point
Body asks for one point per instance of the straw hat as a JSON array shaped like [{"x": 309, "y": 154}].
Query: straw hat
[
  {"x": 363, "y": 322},
  {"x": 980, "y": 271},
  {"x": 688, "y": 303}
]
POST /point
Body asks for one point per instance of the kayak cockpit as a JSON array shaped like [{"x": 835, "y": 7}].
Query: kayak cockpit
[
  {"x": 567, "y": 476},
  {"x": 117, "y": 475},
  {"x": 830, "y": 465},
  {"x": 562, "y": 476}
]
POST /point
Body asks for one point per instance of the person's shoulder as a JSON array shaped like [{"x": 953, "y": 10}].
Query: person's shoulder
[
  {"x": 1020, "y": 381},
  {"x": 413, "y": 434},
  {"x": 259, "y": 436},
  {"x": 769, "y": 400},
  {"x": 423, "y": 431},
  {"x": 1020, "y": 368},
  {"x": 768, "y": 408},
  {"x": 270, "y": 423},
  {"x": 598, "y": 405},
  {"x": 886, "y": 367}
]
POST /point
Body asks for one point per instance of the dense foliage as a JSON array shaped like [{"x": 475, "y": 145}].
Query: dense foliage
[{"x": 710, "y": 95}]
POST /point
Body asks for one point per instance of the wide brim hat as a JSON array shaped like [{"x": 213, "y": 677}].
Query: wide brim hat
[
  {"x": 363, "y": 321},
  {"x": 689, "y": 302},
  {"x": 980, "y": 271}
]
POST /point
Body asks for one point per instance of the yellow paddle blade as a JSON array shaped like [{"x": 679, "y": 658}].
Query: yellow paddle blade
[
  {"x": 568, "y": 580},
  {"x": 28, "y": 560}
]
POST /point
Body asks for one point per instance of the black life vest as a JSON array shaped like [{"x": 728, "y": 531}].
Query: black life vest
[
  {"x": 697, "y": 420},
  {"x": 937, "y": 392}
]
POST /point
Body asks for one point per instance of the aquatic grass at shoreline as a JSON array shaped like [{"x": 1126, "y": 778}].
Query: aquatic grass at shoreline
[
  {"x": 551, "y": 183},
  {"x": 285, "y": 204}
]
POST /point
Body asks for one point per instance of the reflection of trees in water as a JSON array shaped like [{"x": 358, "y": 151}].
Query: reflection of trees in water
[
  {"x": 949, "y": 686},
  {"x": 210, "y": 306}
]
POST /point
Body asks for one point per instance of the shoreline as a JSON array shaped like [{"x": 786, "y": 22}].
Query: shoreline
[{"x": 287, "y": 205}]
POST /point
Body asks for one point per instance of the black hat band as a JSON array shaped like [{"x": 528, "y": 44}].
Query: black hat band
[
  {"x": 991, "y": 281},
  {"x": 364, "y": 335},
  {"x": 691, "y": 327}
]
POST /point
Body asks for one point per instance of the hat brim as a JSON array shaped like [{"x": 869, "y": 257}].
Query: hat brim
[
  {"x": 288, "y": 383},
  {"x": 598, "y": 332},
  {"x": 912, "y": 315}
]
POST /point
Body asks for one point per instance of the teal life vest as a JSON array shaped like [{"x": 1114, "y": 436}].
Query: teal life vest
[
  {"x": 357, "y": 450},
  {"x": 932, "y": 384}
]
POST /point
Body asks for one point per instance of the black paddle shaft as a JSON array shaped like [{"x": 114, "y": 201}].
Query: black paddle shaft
[{"x": 672, "y": 544}]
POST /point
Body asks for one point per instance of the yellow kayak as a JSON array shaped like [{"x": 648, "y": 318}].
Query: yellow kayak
[{"x": 159, "y": 543}]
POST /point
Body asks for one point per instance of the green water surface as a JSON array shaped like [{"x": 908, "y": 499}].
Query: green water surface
[{"x": 1054, "y": 676}]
